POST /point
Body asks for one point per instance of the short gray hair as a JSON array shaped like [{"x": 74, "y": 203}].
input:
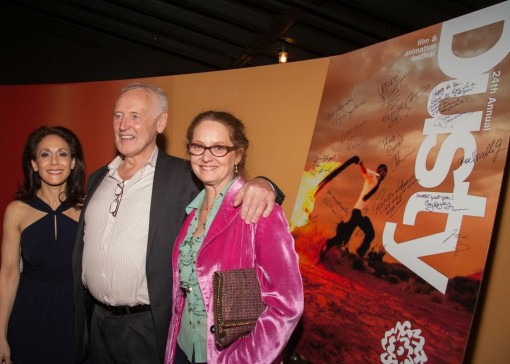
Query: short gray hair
[{"x": 159, "y": 92}]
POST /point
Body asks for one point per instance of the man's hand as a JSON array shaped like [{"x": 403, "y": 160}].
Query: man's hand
[{"x": 258, "y": 199}]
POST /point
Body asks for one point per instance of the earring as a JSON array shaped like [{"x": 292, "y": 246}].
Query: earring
[{"x": 235, "y": 168}]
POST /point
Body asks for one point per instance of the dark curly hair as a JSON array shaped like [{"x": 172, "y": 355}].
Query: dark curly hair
[{"x": 32, "y": 181}]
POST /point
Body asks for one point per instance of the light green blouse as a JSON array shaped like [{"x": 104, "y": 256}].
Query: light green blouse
[{"x": 193, "y": 333}]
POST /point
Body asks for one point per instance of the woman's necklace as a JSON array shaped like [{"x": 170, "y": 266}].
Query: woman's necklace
[{"x": 204, "y": 211}]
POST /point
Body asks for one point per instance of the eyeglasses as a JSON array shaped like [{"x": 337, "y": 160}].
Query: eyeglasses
[
  {"x": 119, "y": 190},
  {"x": 216, "y": 150}
]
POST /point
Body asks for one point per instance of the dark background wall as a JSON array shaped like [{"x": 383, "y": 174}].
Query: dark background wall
[{"x": 55, "y": 41}]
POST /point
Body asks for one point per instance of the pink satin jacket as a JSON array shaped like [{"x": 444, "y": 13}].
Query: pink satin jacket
[{"x": 230, "y": 243}]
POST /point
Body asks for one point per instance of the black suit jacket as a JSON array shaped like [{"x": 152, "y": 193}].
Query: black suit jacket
[{"x": 173, "y": 189}]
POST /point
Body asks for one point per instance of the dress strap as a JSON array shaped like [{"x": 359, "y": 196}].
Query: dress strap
[
  {"x": 57, "y": 216},
  {"x": 40, "y": 205}
]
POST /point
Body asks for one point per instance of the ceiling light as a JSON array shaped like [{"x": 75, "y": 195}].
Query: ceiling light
[{"x": 283, "y": 56}]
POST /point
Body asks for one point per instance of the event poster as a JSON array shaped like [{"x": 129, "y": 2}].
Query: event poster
[{"x": 399, "y": 193}]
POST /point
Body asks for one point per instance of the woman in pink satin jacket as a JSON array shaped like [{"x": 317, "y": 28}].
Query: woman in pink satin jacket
[{"x": 215, "y": 238}]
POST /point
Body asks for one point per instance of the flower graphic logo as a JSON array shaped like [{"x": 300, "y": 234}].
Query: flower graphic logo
[{"x": 403, "y": 345}]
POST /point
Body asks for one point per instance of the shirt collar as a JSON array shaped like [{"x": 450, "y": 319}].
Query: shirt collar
[
  {"x": 197, "y": 201},
  {"x": 114, "y": 164}
]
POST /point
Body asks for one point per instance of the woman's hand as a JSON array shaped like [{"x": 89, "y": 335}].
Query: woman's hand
[{"x": 5, "y": 352}]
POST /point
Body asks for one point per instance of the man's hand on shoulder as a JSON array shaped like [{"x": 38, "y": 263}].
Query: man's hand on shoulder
[{"x": 257, "y": 197}]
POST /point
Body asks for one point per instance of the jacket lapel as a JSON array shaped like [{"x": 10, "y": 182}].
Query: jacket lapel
[
  {"x": 94, "y": 184},
  {"x": 226, "y": 213},
  {"x": 159, "y": 197}
]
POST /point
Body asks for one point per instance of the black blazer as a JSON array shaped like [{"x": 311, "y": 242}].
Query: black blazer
[{"x": 173, "y": 189}]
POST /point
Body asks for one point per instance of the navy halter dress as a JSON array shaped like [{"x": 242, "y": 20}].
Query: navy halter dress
[{"x": 41, "y": 326}]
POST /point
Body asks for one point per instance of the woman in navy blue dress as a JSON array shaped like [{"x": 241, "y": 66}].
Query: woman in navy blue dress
[{"x": 36, "y": 296}]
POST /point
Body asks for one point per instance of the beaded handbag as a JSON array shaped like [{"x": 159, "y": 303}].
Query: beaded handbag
[{"x": 237, "y": 304}]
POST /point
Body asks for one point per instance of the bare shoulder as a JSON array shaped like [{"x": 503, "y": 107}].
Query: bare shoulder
[
  {"x": 14, "y": 216},
  {"x": 73, "y": 213},
  {"x": 15, "y": 212},
  {"x": 18, "y": 214}
]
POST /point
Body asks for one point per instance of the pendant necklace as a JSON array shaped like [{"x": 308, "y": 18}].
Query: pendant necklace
[{"x": 205, "y": 210}]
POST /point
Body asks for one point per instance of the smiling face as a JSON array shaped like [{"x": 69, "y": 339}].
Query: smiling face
[
  {"x": 213, "y": 171},
  {"x": 53, "y": 160},
  {"x": 137, "y": 120}
]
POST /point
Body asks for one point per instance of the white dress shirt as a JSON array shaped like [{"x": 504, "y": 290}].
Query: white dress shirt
[{"x": 114, "y": 255}]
